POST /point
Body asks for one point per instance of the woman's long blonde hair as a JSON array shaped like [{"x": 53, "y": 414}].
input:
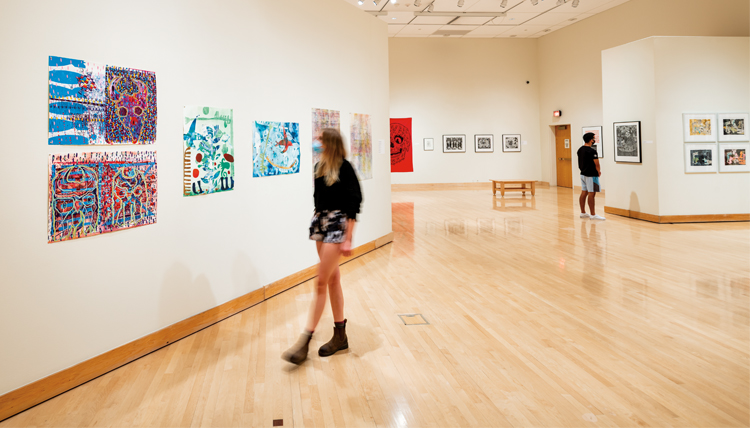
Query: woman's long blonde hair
[{"x": 332, "y": 157}]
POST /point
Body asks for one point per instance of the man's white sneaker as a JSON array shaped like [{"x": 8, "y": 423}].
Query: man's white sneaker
[
  {"x": 597, "y": 217},
  {"x": 584, "y": 215}
]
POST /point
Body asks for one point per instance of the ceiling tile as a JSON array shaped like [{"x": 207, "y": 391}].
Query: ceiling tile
[
  {"x": 524, "y": 30},
  {"x": 394, "y": 29},
  {"x": 459, "y": 27},
  {"x": 490, "y": 31},
  {"x": 432, "y": 20},
  {"x": 527, "y": 7},
  {"x": 471, "y": 20},
  {"x": 419, "y": 30},
  {"x": 514, "y": 18},
  {"x": 397, "y": 17},
  {"x": 492, "y": 6},
  {"x": 552, "y": 18}
]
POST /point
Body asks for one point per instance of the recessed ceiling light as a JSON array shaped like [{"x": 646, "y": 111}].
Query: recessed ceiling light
[
  {"x": 547, "y": 30},
  {"x": 513, "y": 35},
  {"x": 393, "y": 18},
  {"x": 572, "y": 19},
  {"x": 360, "y": 2}
]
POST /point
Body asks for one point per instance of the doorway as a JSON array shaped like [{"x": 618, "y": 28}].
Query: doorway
[{"x": 563, "y": 156}]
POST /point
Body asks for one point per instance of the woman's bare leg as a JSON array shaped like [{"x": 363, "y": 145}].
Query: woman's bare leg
[
  {"x": 329, "y": 258},
  {"x": 336, "y": 295}
]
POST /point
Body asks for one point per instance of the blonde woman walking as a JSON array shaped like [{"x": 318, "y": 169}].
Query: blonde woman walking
[{"x": 337, "y": 202}]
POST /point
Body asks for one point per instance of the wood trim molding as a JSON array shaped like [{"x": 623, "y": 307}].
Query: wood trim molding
[
  {"x": 452, "y": 186},
  {"x": 30, "y": 395},
  {"x": 703, "y": 218}
]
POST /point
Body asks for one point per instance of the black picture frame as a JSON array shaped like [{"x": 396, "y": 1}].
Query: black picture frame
[
  {"x": 451, "y": 143},
  {"x": 627, "y": 142}
]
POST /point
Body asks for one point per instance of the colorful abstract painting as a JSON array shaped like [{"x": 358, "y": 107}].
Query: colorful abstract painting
[
  {"x": 94, "y": 193},
  {"x": 361, "y": 145},
  {"x": 401, "y": 153},
  {"x": 208, "y": 144},
  {"x": 276, "y": 148},
  {"x": 700, "y": 126},
  {"x": 97, "y": 104},
  {"x": 321, "y": 119}
]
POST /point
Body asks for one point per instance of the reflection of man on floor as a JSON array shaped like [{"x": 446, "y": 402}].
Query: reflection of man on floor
[{"x": 588, "y": 163}]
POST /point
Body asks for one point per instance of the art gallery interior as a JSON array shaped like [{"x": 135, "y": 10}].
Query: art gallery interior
[{"x": 465, "y": 308}]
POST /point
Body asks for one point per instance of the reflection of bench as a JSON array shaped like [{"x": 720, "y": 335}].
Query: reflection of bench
[{"x": 523, "y": 186}]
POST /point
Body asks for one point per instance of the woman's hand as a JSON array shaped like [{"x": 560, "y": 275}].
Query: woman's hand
[{"x": 346, "y": 248}]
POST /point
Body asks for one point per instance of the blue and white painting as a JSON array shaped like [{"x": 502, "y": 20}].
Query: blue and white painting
[
  {"x": 77, "y": 102},
  {"x": 276, "y": 148}
]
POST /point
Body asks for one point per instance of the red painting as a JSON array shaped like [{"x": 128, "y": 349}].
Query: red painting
[{"x": 401, "y": 148}]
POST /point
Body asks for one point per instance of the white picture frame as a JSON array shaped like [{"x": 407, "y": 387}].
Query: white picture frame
[
  {"x": 484, "y": 143},
  {"x": 700, "y": 158},
  {"x": 512, "y": 142},
  {"x": 598, "y": 138},
  {"x": 699, "y": 127},
  {"x": 454, "y": 143},
  {"x": 627, "y": 138},
  {"x": 735, "y": 151},
  {"x": 428, "y": 144},
  {"x": 733, "y": 127}
]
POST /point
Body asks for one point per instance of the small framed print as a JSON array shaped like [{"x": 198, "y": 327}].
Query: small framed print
[
  {"x": 699, "y": 127},
  {"x": 628, "y": 142},
  {"x": 700, "y": 158},
  {"x": 484, "y": 143},
  {"x": 598, "y": 145},
  {"x": 429, "y": 144},
  {"x": 733, "y": 127},
  {"x": 454, "y": 143},
  {"x": 511, "y": 142},
  {"x": 733, "y": 157}
]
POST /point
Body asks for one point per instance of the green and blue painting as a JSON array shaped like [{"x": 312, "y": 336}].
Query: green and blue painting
[{"x": 208, "y": 150}]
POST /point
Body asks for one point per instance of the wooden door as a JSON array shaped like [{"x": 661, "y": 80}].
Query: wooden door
[{"x": 563, "y": 146}]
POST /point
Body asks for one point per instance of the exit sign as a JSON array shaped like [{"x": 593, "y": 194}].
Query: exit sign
[{"x": 557, "y": 113}]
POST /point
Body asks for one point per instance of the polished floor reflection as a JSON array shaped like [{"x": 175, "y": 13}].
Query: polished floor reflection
[{"x": 536, "y": 318}]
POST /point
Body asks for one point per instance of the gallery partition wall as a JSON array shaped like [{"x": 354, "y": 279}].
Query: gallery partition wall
[{"x": 178, "y": 79}]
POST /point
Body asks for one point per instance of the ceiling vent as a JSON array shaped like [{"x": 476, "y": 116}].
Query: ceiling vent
[{"x": 451, "y": 32}]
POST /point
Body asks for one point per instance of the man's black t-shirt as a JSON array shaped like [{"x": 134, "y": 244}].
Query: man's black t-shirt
[{"x": 586, "y": 156}]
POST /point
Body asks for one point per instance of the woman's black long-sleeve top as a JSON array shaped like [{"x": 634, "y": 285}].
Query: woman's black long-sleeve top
[{"x": 344, "y": 195}]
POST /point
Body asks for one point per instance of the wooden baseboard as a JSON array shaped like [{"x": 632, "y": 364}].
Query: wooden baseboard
[
  {"x": 452, "y": 186},
  {"x": 28, "y": 396},
  {"x": 704, "y": 218}
]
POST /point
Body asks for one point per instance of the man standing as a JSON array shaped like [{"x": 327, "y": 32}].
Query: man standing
[{"x": 588, "y": 163}]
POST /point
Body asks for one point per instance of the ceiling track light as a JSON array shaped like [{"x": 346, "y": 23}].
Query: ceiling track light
[
  {"x": 460, "y": 3},
  {"x": 534, "y": 2},
  {"x": 560, "y": 2},
  {"x": 575, "y": 3},
  {"x": 417, "y": 3},
  {"x": 504, "y": 3},
  {"x": 431, "y": 7},
  {"x": 375, "y": 2}
]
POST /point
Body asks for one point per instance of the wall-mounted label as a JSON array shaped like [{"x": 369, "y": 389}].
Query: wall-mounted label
[
  {"x": 525, "y": 142},
  {"x": 648, "y": 142},
  {"x": 381, "y": 145},
  {"x": 567, "y": 143}
]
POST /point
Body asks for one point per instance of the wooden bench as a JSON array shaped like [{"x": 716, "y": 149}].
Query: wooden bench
[{"x": 503, "y": 186}]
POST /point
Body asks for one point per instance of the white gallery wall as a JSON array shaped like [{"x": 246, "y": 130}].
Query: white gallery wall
[
  {"x": 466, "y": 86},
  {"x": 655, "y": 81},
  {"x": 570, "y": 60},
  {"x": 66, "y": 302}
]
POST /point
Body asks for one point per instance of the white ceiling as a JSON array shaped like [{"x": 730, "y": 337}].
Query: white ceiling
[{"x": 481, "y": 18}]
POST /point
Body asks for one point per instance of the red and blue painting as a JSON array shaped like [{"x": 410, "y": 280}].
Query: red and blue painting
[{"x": 95, "y": 193}]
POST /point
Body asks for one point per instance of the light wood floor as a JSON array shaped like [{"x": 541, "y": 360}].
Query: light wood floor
[{"x": 536, "y": 318}]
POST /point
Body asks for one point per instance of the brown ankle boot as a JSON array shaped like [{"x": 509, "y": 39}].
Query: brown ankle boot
[
  {"x": 338, "y": 342},
  {"x": 297, "y": 354}
]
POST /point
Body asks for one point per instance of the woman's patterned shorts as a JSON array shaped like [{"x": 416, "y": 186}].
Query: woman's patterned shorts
[{"x": 328, "y": 226}]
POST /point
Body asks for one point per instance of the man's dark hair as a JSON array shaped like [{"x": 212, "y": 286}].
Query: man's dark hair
[{"x": 588, "y": 137}]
